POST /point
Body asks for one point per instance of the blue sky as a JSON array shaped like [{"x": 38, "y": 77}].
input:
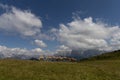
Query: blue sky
[
  {"x": 54, "y": 15},
  {"x": 61, "y": 11}
]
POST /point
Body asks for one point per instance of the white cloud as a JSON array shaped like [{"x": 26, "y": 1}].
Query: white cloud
[
  {"x": 6, "y": 52},
  {"x": 18, "y": 21},
  {"x": 20, "y": 53},
  {"x": 40, "y": 43},
  {"x": 86, "y": 34},
  {"x": 4, "y": 6},
  {"x": 63, "y": 50},
  {"x": 38, "y": 50}
]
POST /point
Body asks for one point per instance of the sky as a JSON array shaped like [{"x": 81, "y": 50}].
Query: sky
[{"x": 48, "y": 26}]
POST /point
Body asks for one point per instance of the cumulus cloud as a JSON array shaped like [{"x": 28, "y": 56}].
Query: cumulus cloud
[
  {"x": 86, "y": 34},
  {"x": 22, "y": 22},
  {"x": 64, "y": 48},
  {"x": 38, "y": 50},
  {"x": 19, "y": 53},
  {"x": 40, "y": 43},
  {"x": 63, "y": 51}
]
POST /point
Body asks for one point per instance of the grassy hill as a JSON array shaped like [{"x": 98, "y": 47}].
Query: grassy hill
[
  {"x": 115, "y": 55},
  {"x": 103, "y": 67}
]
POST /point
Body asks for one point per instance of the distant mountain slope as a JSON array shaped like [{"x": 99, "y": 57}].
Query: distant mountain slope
[
  {"x": 80, "y": 54},
  {"x": 115, "y": 55}
]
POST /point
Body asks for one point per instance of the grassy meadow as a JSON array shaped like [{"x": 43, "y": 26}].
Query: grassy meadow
[{"x": 37, "y": 70}]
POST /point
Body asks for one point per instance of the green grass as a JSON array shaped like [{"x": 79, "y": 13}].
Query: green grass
[
  {"x": 36, "y": 70},
  {"x": 102, "y": 67}
]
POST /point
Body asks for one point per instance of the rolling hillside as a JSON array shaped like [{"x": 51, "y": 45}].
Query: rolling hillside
[
  {"x": 115, "y": 55},
  {"x": 102, "y": 67},
  {"x": 40, "y": 70}
]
